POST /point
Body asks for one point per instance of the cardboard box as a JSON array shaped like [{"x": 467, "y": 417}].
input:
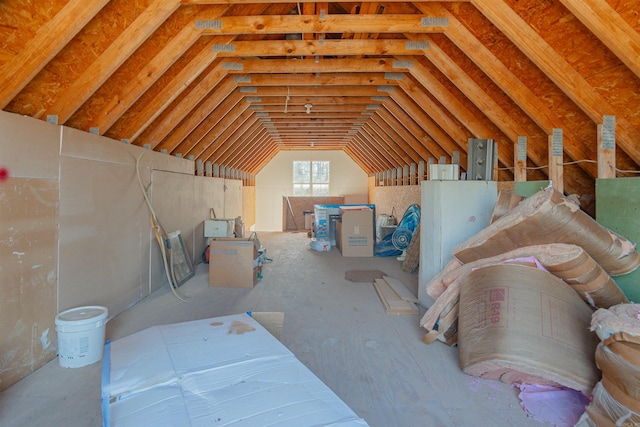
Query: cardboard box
[
  {"x": 233, "y": 263},
  {"x": 354, "y": 235},
  {"x": 222, "y": 371},
  {"x": 324, "y": 227}
]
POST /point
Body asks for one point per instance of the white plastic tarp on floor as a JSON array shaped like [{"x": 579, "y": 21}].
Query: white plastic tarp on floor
[{"x": 224, "y": 371}]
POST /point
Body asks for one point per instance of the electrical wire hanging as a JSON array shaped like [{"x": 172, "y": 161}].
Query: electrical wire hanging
[
  {"x": 286, "y": 101},
  {"x": 161, "y": 237}
]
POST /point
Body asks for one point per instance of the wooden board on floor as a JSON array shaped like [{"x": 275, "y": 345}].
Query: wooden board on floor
[
  {"x": 392, "y": 303},
  {"x": 400, "y": 289},
  {"x": 272, "y": 321}
]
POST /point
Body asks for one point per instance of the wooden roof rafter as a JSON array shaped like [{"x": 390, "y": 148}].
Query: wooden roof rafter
[
  {"x": 380, "y": 135},
  {"x": 200, "y": 110},
  {"x": 226, "y": 145},
  {"x": 610, "y": 28},
  {"x": 404, "y": 111},
  {"x": 559, "y": 70},
  {"x": 167, "y": 73},
  {"x": 230, "y": 112},
  {"x": 48, "y": 42},
  {"x": 97, "y": 73}
]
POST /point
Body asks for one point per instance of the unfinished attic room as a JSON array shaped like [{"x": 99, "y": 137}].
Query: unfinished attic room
[{"x": 295, "y": 214}]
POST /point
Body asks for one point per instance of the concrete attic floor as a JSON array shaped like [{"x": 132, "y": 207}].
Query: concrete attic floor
[{"x": 375, "y": 363}]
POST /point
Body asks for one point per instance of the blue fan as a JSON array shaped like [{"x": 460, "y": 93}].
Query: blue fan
[
  {"x": 395, "y": 243},
  {"x": 401, "y": 239}
]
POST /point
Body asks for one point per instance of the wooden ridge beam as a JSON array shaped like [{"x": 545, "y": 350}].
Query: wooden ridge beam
[
  {"x": 291, "y": 122},
  {"x": 298, "y": 130},
  {"x": 317, "y": 79},
  {"x": 318, "y": 109},
  {"x": 313, "y": 24},
  {"x": 239, "y": 2},
  {"x": 324, "y": 65},
  {"x": 295, "y": 117},
  {"x": 320, "y": 47},
  {"x": 334, "y": 90},
  {"x": 320, "y": 99}
]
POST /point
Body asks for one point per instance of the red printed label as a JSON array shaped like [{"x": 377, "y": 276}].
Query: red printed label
[{"x": 497, "y": 307}]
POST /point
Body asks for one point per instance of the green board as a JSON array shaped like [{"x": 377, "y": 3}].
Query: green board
[
  {"x": 529, "y": 188},
  {"x": 618, "y": 208}
]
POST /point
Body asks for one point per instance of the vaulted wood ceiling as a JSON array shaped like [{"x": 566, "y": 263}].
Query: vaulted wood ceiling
[{"x": 389, "y": 83}]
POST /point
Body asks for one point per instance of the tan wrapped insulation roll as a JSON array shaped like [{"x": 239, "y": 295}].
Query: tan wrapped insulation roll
[
  {"x": 605, "y": 411},
  {"x": 523, "y": 324},
  {"x": 616, "y": 398},
  {"x": 549, "y": 217},
  {"x": 568, "y": 262}
]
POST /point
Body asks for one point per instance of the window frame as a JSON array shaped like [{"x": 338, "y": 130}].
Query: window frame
[{"x": 311, "y": 183}]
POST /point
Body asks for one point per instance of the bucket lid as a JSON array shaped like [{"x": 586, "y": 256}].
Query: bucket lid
[{"x": 80, "y": 314}]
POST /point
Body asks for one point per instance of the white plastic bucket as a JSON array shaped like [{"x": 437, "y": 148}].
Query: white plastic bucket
[{"x": 81, "y": 334}]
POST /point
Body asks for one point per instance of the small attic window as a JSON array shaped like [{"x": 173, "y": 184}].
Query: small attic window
[{"x": 311, "y": 178}]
